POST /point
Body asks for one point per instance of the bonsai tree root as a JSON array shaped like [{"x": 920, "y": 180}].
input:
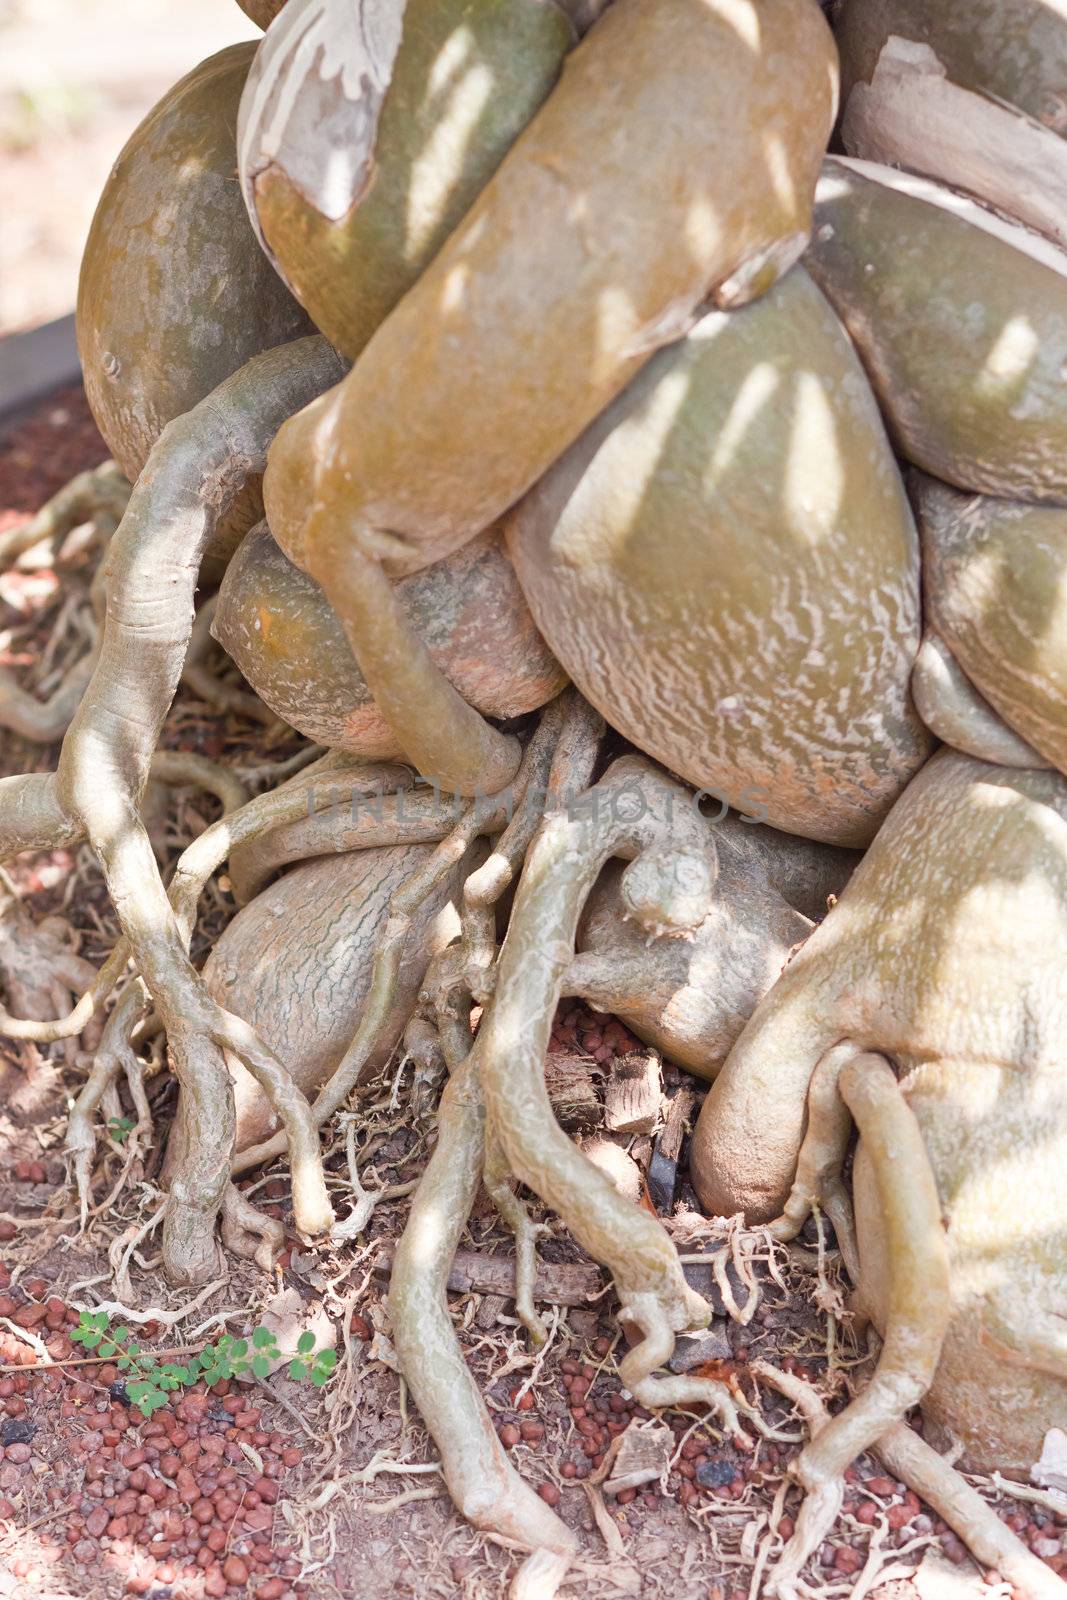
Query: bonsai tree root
[
  {"x": 40, "y": 968},
  {"x": 640, "y": 814},
  {"x": 911, "y": 1459},
  {"x": 197, "y": 468},
  {"x": 482, "y": 1482},
  {"x": 918, "y": 1305},
  {"x": 944, "y": 957}
]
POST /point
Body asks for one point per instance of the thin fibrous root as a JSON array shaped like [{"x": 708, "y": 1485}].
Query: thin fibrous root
[
  {"x": 912, "y": 1461},
  {"x": 99, "y": 496},
  {"x": 113, "y": 1055},
  {"x": 198, "y": 466}
]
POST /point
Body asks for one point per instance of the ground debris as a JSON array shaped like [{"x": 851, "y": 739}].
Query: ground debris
[
  {"x": 558, "y": 1283},
  {"x": 634, "y": 1094},
  {"x": 640, "y": 1455}
]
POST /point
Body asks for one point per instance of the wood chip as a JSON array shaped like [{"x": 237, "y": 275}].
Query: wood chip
[
  {"x": 569, "y": 1080},
  {"x": 488, "y": 1313},
  {"x": 634, "y": 1094},
  {"x": 563, "y": 1284},
  {"x": 642, "y": 1456}
]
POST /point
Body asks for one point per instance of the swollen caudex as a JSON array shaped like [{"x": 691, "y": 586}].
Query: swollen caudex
[
  {"x": 278, "y": 626},
  {"x": 423, "y": 446},
  {"x": 175, "y": 294},
  {"x": 944, "y": 959},
  {"x": 568, "y": 275},
  {"x": 960, "y": 319},
  {"x": 727, "y": 566},
  {"x": 296, "y": 964},
  {"x": 996, "y": 577},
  {"x": 428, "y": 101}
]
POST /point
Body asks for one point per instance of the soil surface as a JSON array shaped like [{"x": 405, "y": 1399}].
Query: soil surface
[{"x": 280, "y": 1490}]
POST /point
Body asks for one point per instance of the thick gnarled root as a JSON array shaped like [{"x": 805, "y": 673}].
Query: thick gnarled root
[
  {"x": 918, "y": 1312},
  {"x": 482, "y": 1482},
  {"x": 640, "y": 814},
  {"x": 935, "y": 1480}
]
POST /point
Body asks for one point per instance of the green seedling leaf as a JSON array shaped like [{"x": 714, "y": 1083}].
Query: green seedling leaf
[
  {"x": 298, "y": 1369},
  {"x": 326, "y": 1359},
  {"x": 262, "y": 1337},
  {"x": 240, "y": 1347},
  {"x": 261, "y": 1366},
  {"x": 306, "y": 1342}
]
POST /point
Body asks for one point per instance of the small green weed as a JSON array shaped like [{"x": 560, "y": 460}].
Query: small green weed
[{"x": 150, "y": 1383}]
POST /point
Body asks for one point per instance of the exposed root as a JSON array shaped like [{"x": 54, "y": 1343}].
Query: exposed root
[
  {"x": 447, "y": 741},
  {"x": 913, "y": 1462},
  {"x": 635, "y": 812},
  {"x": 483, "y": 1484},
  {"x": 919, "y": 1305},
  {"x": 818, "y": 1181},
  {"x": 40, "y": 968},
  {"x": 197, "y": 468},
  {"x": 98, "y": 497},
  {"x": 113, "y": 1055},
  {"x": 181, "y": 769},
  {"x": 248, "y": 1232},
  {"x": 515, "y": 1216},
  {"x": 44, "y": 721},
  {"x": 402, "y": 910},
  {"x": 337, "y": 819}
]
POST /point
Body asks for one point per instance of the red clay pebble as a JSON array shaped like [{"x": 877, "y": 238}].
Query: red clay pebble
[
  {"x": 899, "y": 1516},
  {"x": 8, "y": 1231},
  {"x": 214, "y": 1583},
  {"x": 29, "y": 1317},
  {"x": 532, "y": 1431},
  {"x": 96, "y": 1522},
  {"x": 866, "y": 1512},
  {"x": 235, "y": 1571},
  {"x": 880, "y": 1486},
  {"x": 272, "y": 1589},
  {"x": 509, "y": 1436},
  {"x": 203, "y": 1511},
  {"x": 846, "y": 1559},
  {"x": 18, "y": 1453},
  {"x": 525, "y": 1402},
  {"x": 549, "y": 1493}
]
